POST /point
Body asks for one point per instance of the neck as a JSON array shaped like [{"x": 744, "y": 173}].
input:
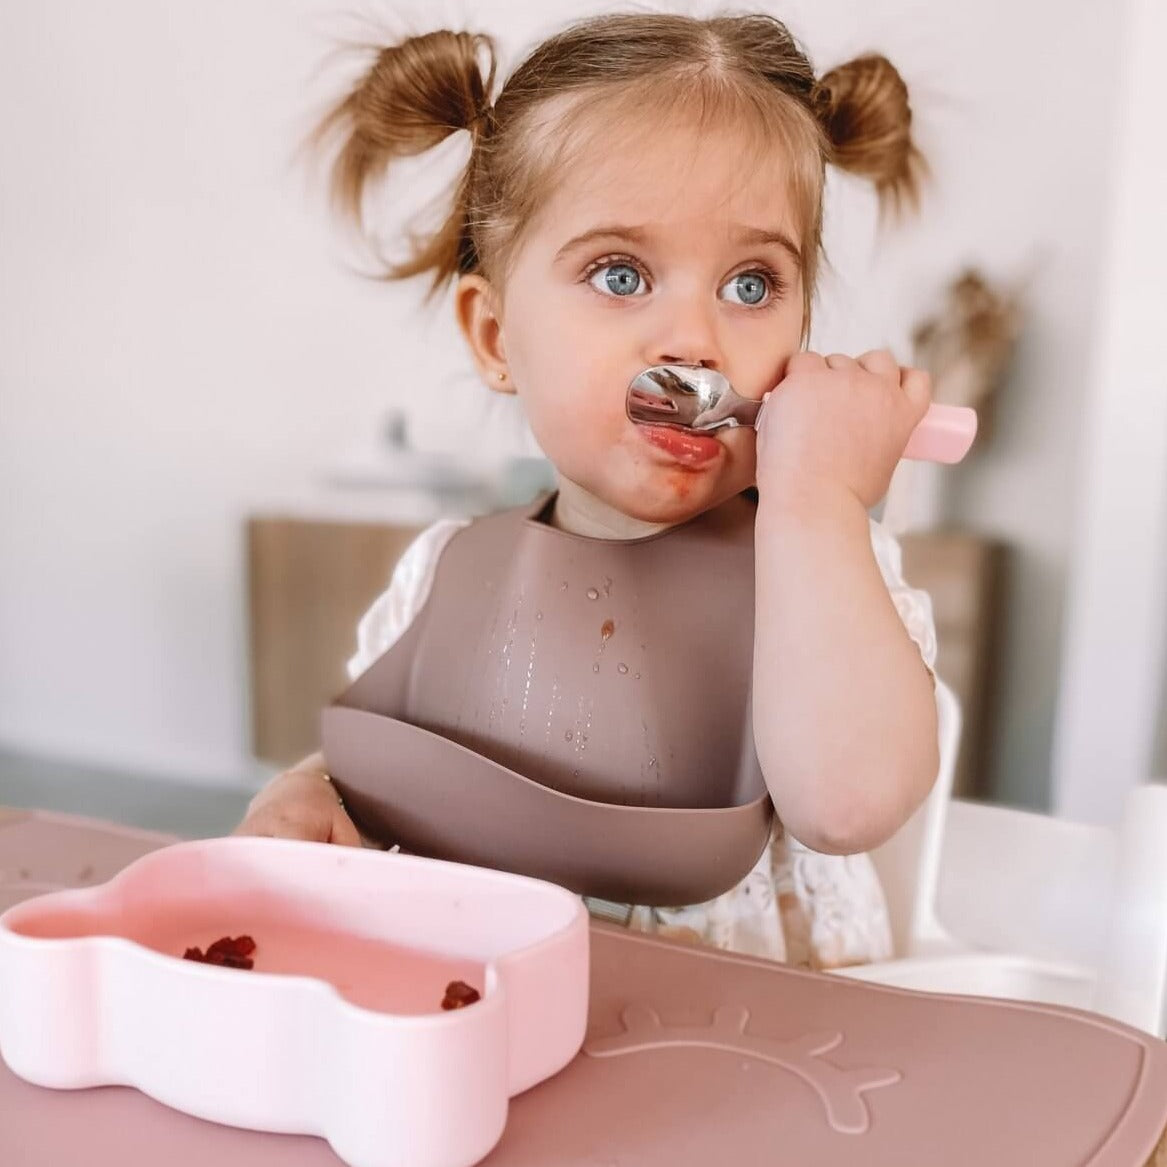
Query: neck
[{"x": 582, "y": 513}]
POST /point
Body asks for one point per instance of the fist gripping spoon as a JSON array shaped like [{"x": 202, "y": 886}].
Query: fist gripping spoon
[{"x": 691, "y": 397}]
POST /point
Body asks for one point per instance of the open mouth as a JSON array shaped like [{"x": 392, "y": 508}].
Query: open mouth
[{"x": 688, "y": 448}]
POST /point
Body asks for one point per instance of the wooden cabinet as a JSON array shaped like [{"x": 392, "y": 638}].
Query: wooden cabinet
[{"x": 309, "y": 583}]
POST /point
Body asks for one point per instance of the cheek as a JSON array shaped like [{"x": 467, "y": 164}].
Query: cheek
[
  {"x": 559, "y": 423},
  {"x": 573, "y": 395},
  {"x": 571, "y": 424},
  {"x": 761, "y": 363},
  {"x": 771, "y": 373}
]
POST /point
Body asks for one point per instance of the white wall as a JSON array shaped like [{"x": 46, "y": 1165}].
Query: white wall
[
  {"x": 1018, "y": 132},
  {"x": 180, "y": 342},
  {"x": 1113, "y": 694}
]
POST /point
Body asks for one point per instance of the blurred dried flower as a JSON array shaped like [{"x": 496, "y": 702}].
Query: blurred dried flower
[{"x": 967, "y": 344}]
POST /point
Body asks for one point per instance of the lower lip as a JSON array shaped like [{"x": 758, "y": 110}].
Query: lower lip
[{"x": 687, "y": 448}]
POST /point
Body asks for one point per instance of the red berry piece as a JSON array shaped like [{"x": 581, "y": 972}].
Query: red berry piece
[
  {"x": 459, "y": 994},
  {"x": 226, "y": 952}
]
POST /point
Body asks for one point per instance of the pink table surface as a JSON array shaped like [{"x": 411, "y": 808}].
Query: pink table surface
[{"x": 603, "y": 1112}]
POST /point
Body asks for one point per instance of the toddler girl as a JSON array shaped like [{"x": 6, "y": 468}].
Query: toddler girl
[{"x": 644, "y": 190}]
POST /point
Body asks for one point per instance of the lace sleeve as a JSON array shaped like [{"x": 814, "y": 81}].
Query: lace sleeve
[
  {"x": 394, "y": 609},
  {"x": 913, "y": 604}
]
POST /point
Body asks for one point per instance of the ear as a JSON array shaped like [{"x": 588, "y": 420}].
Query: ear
[{"x": 475, "y": 306}]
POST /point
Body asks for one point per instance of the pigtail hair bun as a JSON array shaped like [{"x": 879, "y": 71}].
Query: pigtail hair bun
[
  {"x": 414, "y": 96},
  {"x": 863, "y": 108}
]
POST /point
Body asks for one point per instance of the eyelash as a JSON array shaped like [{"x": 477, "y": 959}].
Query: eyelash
[{"x": 777, "y": 285}]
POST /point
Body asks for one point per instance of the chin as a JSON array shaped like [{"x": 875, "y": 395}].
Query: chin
[{"x": 683, "y": 497}]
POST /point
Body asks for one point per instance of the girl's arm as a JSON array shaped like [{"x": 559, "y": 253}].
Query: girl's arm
[{"x": 844, "y": 706}]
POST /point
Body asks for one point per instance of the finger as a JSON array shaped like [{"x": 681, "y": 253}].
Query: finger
[
  {"x": 263, "y": 832},
  {"x": 880, "y": 362},
  {"x": 277, "y": 827},
  {"x": 804, "y": 362},
  {"x": 252, "y": 825},
  {"x": 917, "y": 387},
  {"x": 840, "y": 361},
  {"x": 344, "y": 831}
]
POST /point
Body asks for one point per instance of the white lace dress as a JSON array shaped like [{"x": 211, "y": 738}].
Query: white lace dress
[{"x": 796, "y": 905}]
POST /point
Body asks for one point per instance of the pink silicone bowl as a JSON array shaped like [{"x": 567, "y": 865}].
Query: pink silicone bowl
[{"x": 338, "y": 1031}]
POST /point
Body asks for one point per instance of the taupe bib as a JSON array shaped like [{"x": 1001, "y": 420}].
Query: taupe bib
[{"x": 570, "y": 708}]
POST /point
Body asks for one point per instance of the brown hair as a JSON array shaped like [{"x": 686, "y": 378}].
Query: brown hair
[{"x": 582, "y": 82}]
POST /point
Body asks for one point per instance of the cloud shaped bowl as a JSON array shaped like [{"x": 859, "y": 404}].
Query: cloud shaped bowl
[{"x": 338, "y": 1031}]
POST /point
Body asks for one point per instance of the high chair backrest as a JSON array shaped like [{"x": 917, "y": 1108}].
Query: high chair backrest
[
  {"x": 1087, "y": 898},
  {"x": 1132, "y": 975},
  {"x": 909, "y": 862}
]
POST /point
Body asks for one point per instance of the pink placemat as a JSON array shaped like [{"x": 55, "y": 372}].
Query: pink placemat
[{"x": 692, "y": 1057}]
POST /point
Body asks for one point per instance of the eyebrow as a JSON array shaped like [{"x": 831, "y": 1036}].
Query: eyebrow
[{"x": 747, "y": 235}]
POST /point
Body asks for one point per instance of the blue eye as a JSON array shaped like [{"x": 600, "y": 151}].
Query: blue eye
[
  {"x": 751, "y": 288},
  {"x": 618, "y": 279}
]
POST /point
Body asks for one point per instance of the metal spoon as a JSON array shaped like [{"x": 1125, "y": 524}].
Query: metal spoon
[{"x": 691, "y": 397}]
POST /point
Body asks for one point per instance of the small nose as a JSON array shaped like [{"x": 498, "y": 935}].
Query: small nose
[
  {"x": 686, "y": 335},
  {"x": 673, "y": 359}
]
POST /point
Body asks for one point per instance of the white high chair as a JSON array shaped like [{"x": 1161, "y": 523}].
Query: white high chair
[{"x": 997, "y": 902}]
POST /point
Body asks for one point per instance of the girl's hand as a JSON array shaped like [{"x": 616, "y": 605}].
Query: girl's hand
[
  {"x": 300, "y": 804},
  {"x": 838, "y": 421}
]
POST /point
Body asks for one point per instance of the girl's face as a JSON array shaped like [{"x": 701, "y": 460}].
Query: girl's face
[{"x": 678, "y": 249}]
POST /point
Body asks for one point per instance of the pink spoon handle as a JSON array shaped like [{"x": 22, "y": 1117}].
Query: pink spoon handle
[{"x": 945, "y": 434}]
